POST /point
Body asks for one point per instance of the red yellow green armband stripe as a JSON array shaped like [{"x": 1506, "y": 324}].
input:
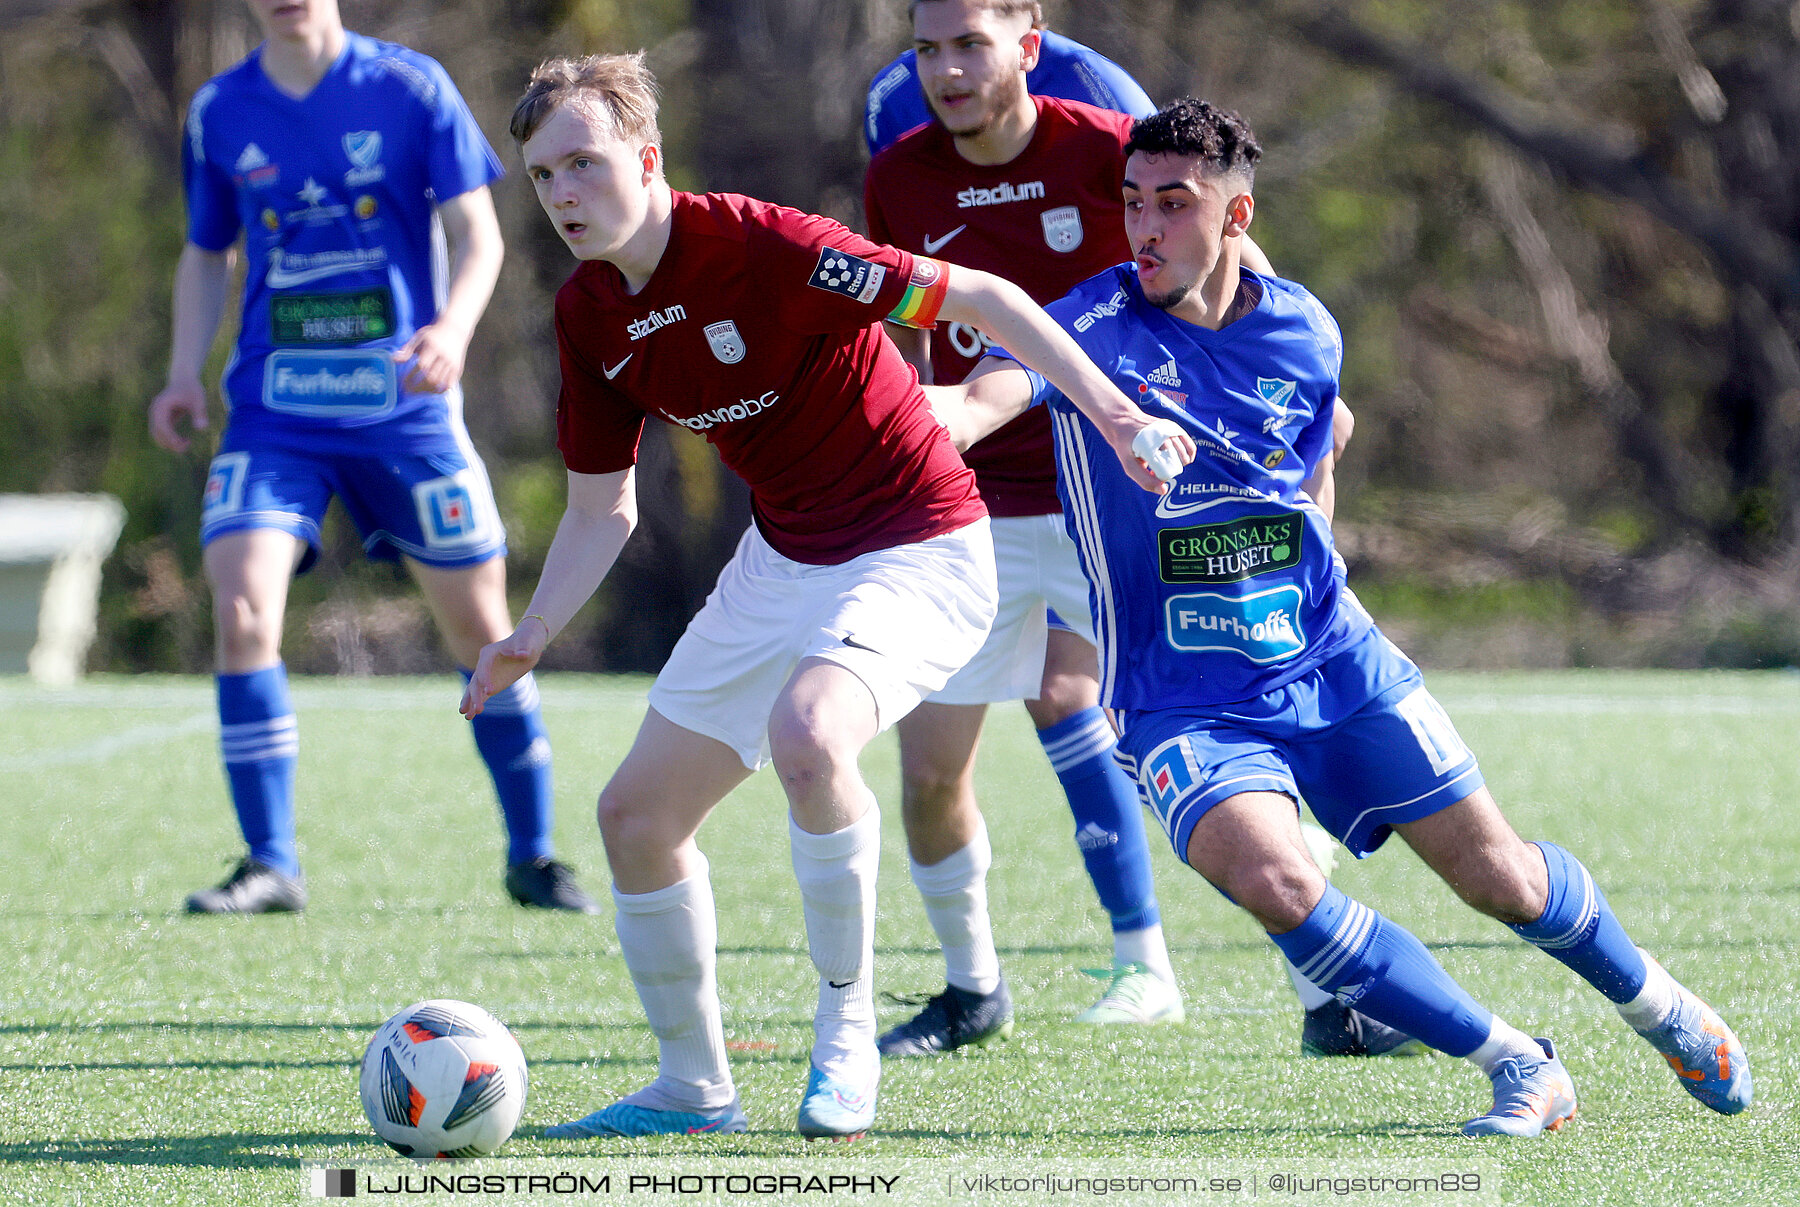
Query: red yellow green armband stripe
[{"x": 924, "y": 296}]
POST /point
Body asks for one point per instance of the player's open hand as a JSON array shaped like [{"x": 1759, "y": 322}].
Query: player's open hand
[
  {"x": 437, "y": 352},
  {"x": 503, "y": 663},
  {"x": 178, "y": 399}
]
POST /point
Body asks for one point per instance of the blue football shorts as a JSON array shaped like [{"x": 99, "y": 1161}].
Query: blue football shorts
[
  {"x": 1358, "y": 738},
  {"x": 437, "y": 509}
]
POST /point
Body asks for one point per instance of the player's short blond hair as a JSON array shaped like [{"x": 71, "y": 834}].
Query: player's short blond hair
[
  {"x": 1001, "y": 8},
  {"x": 618, "y": 88}
]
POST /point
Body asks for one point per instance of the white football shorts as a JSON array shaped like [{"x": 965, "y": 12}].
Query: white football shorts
[
  {"x": 1035, "y": 562},
  {"x": 902, "y": 620}
]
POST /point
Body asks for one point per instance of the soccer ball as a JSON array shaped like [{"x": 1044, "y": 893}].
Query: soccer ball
[{"x": 443, "y": 1079}]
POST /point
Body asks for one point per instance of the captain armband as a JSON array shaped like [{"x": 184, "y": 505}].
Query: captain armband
[{"x": 924, "y": 296}]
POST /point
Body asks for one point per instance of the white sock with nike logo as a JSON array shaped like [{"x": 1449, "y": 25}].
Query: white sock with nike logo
[{"x": 836, "y": 873}]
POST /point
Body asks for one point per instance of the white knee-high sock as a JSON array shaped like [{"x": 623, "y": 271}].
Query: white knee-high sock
[
  {"x": 954, "y": 890},
  {"x": 669, "y": 939},
  {"x": 836, "y": 872}
]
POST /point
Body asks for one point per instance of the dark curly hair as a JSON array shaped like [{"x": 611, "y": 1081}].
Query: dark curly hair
[{"x": 1219, "y": 138}]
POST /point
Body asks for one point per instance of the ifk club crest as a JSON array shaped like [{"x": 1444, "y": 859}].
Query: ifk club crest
[
  {"x": 726, "y": 343},
  {"x": 364, "y": 149}
]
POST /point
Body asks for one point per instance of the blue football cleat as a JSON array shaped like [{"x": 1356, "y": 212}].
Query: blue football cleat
[
  {"x": 836, "y": 1110},
  {"x": 1706, "y": 1056},
  {"x": 1530, "y": 1097},
  {"x": 629, "y": 1119}
]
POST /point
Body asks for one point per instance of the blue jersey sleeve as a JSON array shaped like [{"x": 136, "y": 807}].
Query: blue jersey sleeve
[
  {"x": 460, "y": 159},
  {"x": 1042, "y": 392},
  {"x": 213, "y": 221},
  {"x": 1315, "y": 442},
  {"x": 1066, "y": 70},
  {"x": 1070, "y": 71}
]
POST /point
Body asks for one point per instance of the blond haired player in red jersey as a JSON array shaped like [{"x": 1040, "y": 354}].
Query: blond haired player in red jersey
[
  {"x": 866, "y": 580},
  {"x": 1027, "y": 187}
]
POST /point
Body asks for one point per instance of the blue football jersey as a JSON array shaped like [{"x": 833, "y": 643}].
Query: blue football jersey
[
  {"x": 1228, "y": 586},
  {"x": 1066, "y": 70},
  {"x": 334, "y": 195}
]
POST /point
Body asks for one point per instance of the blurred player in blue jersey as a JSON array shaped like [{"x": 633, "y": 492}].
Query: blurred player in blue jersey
[
  {"x": 1246, "y": 675},
  {"x": 343, "y": 163},
  {"x": 1064, "y": 68}
]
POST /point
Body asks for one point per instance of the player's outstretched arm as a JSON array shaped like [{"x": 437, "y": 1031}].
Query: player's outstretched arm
[
  {"x": 995, "y": 392},
  {"x": 202, "y": 279},
  {"x": 599, "y": 517},
  {"x": 1252, "y": 256},
  {"x": 1003, "y": 312},
  {"x": 439, "y": 349}
]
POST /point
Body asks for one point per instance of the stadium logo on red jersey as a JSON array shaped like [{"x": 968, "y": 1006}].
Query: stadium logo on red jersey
[
  {"x": 1062, "y": 228},
  {"x": 1000, "y": 194},
  {"x": 656, "y": 320}
]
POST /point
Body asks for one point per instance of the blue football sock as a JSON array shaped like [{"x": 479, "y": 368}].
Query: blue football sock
[
  {"x": 1579, "y": 928},
  {"x": 1109, "y": 822},
  {"x": 510, "y": 735},
  {"x": 259, "y": 740},
  {"x": 1377, "y": 966}
]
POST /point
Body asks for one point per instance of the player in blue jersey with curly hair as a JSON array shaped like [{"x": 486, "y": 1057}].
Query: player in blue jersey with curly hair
[
  {"x": 1245, "y": 674},
  {"x": 342, "y": 163}
]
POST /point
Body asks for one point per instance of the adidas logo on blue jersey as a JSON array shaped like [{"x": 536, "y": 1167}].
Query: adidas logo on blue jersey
[
  {"x": 252, "y": 158},
  {"x": 1167, "y": 375}
]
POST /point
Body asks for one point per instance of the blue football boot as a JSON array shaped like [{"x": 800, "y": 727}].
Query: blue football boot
[
  {"x": 1707, "y": 1058},
  {"x": 1531, "y": 1097},
  {"x": 837, "y": 1110},
  {"x": 629, "y": 1119}
]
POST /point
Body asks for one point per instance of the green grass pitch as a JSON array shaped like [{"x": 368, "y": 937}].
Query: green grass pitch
[{"x": 149, "y": 1057}]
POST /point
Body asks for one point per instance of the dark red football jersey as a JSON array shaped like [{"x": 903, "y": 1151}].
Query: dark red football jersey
[
  {"x": 1047, "y": 221},
  {"x": 761, "y": 330}
]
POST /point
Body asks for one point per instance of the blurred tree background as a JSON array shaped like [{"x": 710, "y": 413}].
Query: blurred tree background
[{"x": 1563, "y": 240}]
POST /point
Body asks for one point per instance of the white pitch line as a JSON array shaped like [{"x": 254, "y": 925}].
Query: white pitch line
[
  {"x": 311, "y": 694},
  {"x": 115, "y": 743},
  {"x": 1585, "y": 706}
]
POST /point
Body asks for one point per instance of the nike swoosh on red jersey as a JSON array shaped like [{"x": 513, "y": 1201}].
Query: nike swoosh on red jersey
[
  {"x": 614, "y": 371},
  {"x": 932, "y": 245}
]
